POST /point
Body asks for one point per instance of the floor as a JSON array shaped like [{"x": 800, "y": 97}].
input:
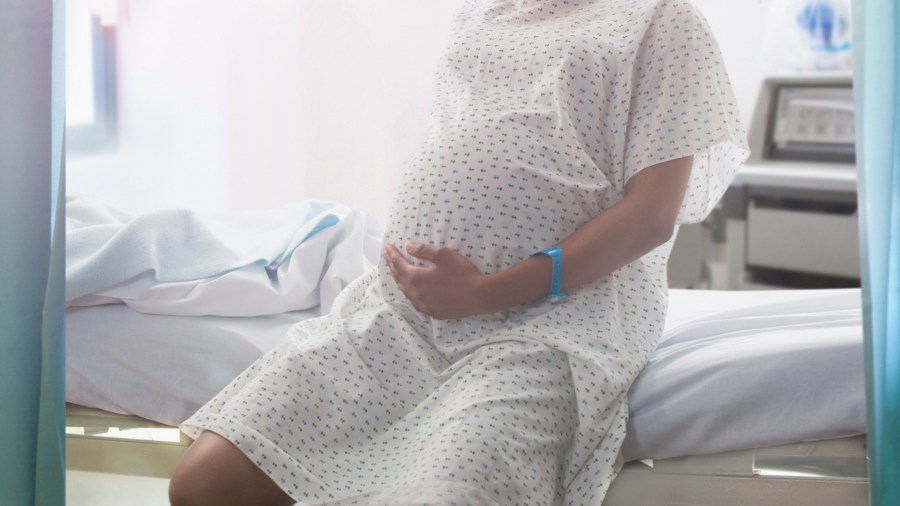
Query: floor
[{"x": 84, "y": 488}]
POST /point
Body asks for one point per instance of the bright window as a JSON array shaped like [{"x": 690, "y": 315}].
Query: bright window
[{"x": 90, "y": 81}]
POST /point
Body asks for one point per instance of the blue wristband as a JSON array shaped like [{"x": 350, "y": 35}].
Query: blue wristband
[{"x": 555, "y": 254}]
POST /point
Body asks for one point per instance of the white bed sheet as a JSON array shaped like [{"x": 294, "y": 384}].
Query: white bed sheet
[
  {"x": 734, "y": 369},
  {"x": 161, "y": 367}
]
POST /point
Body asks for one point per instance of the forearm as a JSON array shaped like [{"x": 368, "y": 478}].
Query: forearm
[
  {"x": 618, "y": 236},
  {"x": 641, "y": 221}
]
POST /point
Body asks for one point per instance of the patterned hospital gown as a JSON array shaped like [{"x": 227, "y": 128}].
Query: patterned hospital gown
[{"x": 543, "y": 111}]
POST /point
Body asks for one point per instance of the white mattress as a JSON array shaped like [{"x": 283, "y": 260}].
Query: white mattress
[
  {"x": 749, "y": 369},
  {"x": 734, "y": 369}
]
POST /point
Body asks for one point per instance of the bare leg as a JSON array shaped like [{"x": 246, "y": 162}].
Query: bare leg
[{"x": 214, "y": 471}]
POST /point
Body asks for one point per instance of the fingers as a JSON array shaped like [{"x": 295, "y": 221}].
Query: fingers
[
  {"x": 397, "y": 264},
  {"x": 440, "y": 290},
  {"x": 400, "y": 269},
  {"x": 427, "y": 252}
]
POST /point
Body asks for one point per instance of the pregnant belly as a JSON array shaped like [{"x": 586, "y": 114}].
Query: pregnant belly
[{"x": 497, "y": 192}]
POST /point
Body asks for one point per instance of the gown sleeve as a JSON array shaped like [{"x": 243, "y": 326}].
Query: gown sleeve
[{"x": 682, "y": 104}]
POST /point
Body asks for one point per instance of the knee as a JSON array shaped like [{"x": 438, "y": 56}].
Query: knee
[
  {"x": 213, "y": 471},
  {"x": 193, "y": 482},
  {"x": 186, "y": 488}
]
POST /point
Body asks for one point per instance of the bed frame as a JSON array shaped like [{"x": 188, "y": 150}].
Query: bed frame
[
  {"x": 819, "y": 473},
  {"x": 91, "y": 447}
]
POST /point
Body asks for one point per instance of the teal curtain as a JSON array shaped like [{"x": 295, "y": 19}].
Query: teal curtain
[
  {"x": 876, "y": 27},
  {"x": 32, "y": 390}
]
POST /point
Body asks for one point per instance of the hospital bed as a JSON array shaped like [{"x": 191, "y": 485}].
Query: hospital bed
[{"x": 753, "y": 397}]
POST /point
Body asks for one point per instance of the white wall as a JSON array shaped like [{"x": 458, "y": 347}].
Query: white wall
[
  {"x": 332, "y": 97},
  {"x": 230, "y": 104},
  {"x": 740, "y": 26}
]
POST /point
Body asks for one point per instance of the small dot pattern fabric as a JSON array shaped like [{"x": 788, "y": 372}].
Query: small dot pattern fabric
[{"x": 543, "y": 111}]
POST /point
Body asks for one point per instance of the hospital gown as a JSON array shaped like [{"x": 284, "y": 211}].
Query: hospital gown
[{"x": 543, "y": 110}]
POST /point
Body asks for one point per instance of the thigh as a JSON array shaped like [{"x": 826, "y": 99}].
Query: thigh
[
  {"x": 214, "y": 471},
  {"x": 504, "y": 423}
]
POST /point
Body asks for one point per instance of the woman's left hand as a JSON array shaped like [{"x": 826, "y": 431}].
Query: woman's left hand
[{"x": 452, "y": 288}]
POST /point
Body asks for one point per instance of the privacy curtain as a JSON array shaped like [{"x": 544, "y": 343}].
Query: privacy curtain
[
  {"x": 876, "y": 27},
  {"x": 32, "y": 392}
]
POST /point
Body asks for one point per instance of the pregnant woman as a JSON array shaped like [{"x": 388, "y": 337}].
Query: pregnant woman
[{"x": 523, "y": 286}]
